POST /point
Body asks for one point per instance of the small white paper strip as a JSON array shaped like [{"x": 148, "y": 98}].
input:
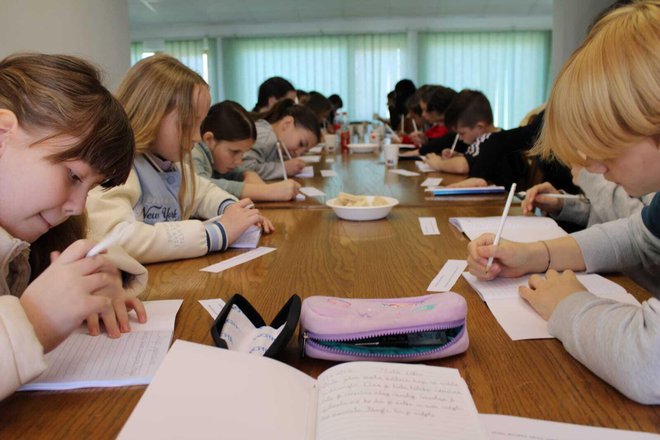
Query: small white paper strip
[
  {"x": 239, "y": 259},
  {"x": 424, "y": 167},
  {"x": 429, "y": 226},
  {"x": 311, "y": 159},
  {"x": 432, "y": 181},
  {"x": 328, "y": 173},
  {"x": 310, "y": 191},
  {"x": 306, "y": 172},
  {"x": 404, "y": 172},
  {"x": 330, "y": 160},
  {"x": 213, "y": 306},
  {"x": 448, "y": 275}
]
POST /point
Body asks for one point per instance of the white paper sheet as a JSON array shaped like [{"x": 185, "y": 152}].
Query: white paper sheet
[
  {"x": 330, "y": 160},
  {"x": 404, "y": 172},
  {"x": 429, "y": 226},
  {"x": 84, "y": 361},
  {"x": 518, "y": 319},
  {"x": 317, "y": 149},
  {"x": 448, "y": 275},
  {"x": 328, "y": 173},
  {"x": 213, "y": 306},
  {"x": 248, "y": 239},
  {"x": 519, "y": 228},
  {"x": 311, "y": 159},
  {"x": 306, "y": 172},
  {"x": 310, "y": 191},
  {"x": 239, "y": 259},
  {"x": 432, "y": 181},
  {"x": 501, "y": 427},
  {"x": 424, "y": 167}
]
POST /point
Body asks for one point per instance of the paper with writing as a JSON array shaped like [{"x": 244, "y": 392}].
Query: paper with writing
[
  {"x": 448, "y": 275},
  {"x": 518, "y": 319},
  {"x": 239, "y": 259},
  {"x": 429, "y": 226},
  {"x": 84, "y": 361},
  {"x": 392, "y": 401},
  {"x": 248, "y": 239},
  {"x": 213, "y": 306}
]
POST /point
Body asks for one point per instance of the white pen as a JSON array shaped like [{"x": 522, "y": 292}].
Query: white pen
[
  {"x": 502, "y": 221},
  {"x": 114, "y": 236},
  {"x": 286, "y": 150},
  {"x": 279, "y": 153},
  {"x": 218, "y": 217},
  {"x": 453, "y": 146},
  {"x": 523, "y": 194},
  {"x": 414, "y": 125}
]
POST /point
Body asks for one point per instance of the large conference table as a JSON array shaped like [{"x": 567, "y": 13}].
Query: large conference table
[{"x": 318, "y": 254}]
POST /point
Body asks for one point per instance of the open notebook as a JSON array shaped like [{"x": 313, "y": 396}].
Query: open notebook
[
  {"x": 518, "y": 319},
  {"x": 239, "y": 396},
  {"x": 517, "y": 228},
  {"x": 84, "y": 361}
]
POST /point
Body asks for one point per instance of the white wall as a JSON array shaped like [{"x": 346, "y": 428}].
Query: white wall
[
  {"x": 570, "y": 20},
  {"x": 94, "y": 29}
]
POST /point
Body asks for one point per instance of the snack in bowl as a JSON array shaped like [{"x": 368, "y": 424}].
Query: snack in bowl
[{"x": 361, "y": 208}]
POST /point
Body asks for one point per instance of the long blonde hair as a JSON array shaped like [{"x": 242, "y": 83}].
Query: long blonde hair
[
  {"x": 153, "y": 88},
  {"x": 607, "y": 96}
]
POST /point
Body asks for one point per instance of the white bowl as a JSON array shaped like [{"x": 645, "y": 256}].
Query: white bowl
[
  {"x": 363, "y": 213},
  {"x": 363, "y": 148}
]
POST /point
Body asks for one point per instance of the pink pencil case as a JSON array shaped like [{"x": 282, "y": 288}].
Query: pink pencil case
[{"x": 402, "y": 330}]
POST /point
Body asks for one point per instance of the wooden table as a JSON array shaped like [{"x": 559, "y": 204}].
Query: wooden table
[
  {"x": 318, "y": 254},
  {"x": 365, "y": 174}
]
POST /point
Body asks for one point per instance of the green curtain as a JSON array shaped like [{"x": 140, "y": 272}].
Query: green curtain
[
  {"x": 511, "y": 68},
  {"x": 360, "y": 68}
]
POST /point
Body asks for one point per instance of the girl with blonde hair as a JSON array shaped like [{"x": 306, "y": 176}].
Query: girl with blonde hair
[
  {"x": 603, "y": 114},
  {"x": 166, "y": 103}
]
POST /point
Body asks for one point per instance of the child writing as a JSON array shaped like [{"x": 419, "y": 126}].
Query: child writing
[
  {"x": 603, "y": 113},
  {"x": 271, "y": 91},
  {"x": 493, "y": 155},
  {"x": 228, "y": 132},
  {"x": 433, "y": 102},
  {"x": 61, "y": 133},
  {"x": 166, "y": 103},
  {"x": 291, "y": 128}
]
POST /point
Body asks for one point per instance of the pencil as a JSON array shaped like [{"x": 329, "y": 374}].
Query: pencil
[
  {"x": 414, "y": 125},
  {"x": 453, "y": 146},
  {"x": 502, "y": 221},
  {"x": 286, "y": 150},
  {"x": 279, "y": 153}
]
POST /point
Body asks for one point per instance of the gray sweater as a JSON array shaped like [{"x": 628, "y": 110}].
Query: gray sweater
[
  {"x": 605, "y": 201},
  {"x": 232, "y": 182},
  {"x": 263, "y": 158},
  {"x": 618, "y": 342}
]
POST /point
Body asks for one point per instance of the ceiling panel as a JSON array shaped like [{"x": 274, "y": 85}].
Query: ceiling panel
[{"x": 173, "y": 12}]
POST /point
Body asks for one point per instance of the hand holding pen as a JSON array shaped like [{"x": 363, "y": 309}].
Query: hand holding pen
[
  {"x": 545, "y": 197},
  {"x": 505, "y": 213}
]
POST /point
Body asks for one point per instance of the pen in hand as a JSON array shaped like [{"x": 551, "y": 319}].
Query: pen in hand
[
  {"x": 279, "y": 153},
  {"x": 120, "y": 231},
  {"x": 502, "y": 221}
]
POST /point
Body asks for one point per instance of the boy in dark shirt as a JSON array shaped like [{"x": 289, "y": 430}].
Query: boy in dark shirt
[{"x": 493, "y": 155}]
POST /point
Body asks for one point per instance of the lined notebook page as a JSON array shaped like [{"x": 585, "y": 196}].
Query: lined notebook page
[
  {"x": 84, "y": 361},
  {"x": 520, "y": 228},
  {"x": 369, "y": 400}
]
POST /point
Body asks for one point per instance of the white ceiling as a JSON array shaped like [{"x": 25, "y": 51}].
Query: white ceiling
[{"x": 162, "y": 13}]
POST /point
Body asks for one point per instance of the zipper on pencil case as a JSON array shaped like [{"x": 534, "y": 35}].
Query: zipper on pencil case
[{"x": 368, "y": 344}]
